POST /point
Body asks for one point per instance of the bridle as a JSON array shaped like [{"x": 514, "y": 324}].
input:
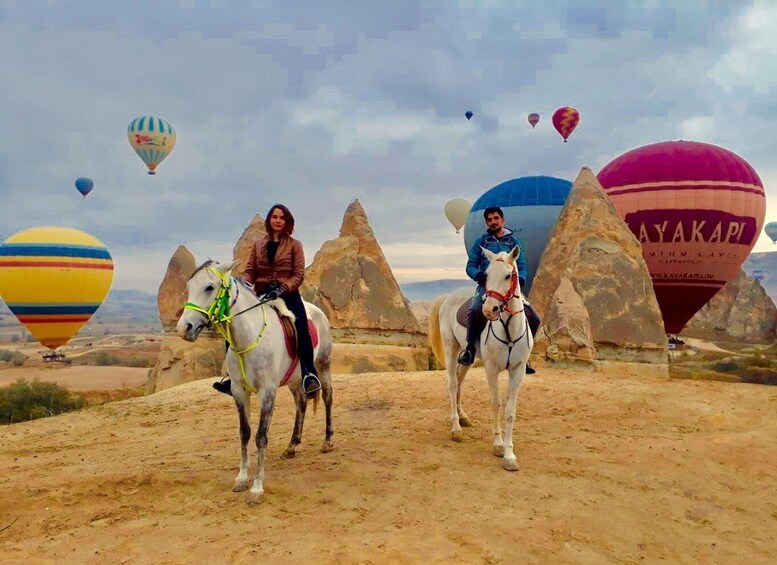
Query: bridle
[
  {"x": 504, "y": 299},
  {"x": 509, "y": 295},
  {"x": 219, "y": 316}
]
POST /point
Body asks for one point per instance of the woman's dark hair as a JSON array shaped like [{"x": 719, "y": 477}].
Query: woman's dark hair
[{"x": 288, "y": 229}]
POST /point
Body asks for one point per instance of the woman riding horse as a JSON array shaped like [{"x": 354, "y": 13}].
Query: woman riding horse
[{"x": 276, "y": 269}]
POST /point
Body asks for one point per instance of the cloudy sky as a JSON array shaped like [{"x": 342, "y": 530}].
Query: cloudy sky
[{"x": 314, "y": 104}]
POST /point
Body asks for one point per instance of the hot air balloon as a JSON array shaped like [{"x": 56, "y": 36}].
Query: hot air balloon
[
  {"x": 565, "y": 120},
  {"x": 771, "y": 231},
  {"x": 534, "y": 119},
  {"x": 53, "y": 279},
  {"x": 468, "y": 115},
  {"x": 758, "y": 275},
  {"x": 531, "y": 206},
  {"x": 697, "y": 210},
  {"x": 84, "y": 186},
  {"x": 456, "y": 211},
  {"x": 153, "y": 139}
]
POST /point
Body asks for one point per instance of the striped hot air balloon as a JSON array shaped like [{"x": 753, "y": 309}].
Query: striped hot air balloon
[
  {"x": 152, "y": 138},
  {"x": 53, "y": 279},
  {"x": 565, "y": 120},
  {"x": 697, "y": 209}
]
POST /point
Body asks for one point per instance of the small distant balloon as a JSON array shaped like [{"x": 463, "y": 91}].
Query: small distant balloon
[
  {"x": 534, "y": 119},
  {"x": 771, "y": 231},
  {"x": 456, "y": 211},
  {"x": 758, "y": 275},
  {"x": 84, "y": 186},
  {"x": 153, "y": 139},
  {"x": 468, "y": 115},
  {"x": 565, "y": 120}
]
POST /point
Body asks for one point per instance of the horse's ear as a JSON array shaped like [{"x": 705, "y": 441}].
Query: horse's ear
[
  {"x": 227, "y": 267},
  {"x": 514, "y": 253},
  {"x": 489, "y": 254}
]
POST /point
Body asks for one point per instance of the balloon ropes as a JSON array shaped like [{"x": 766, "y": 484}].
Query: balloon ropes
[
  {"x": 565, "y": 120},
  {"x": 53, "y": 279},
  {"x": 153, "y": 139},
  {"x": 84, "y": 186},
  {"x": 456, "y": 211},
  {"x": 697, "y": 210}
]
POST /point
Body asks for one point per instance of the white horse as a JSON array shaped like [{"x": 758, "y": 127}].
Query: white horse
[
  {"x": 257, "y": 359},
  {"x": 505, "y": 343}
]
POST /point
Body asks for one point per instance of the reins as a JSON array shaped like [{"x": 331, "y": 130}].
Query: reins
[
  {"x": 504, "y": 299},
  {"x": 219, "y": 316}
]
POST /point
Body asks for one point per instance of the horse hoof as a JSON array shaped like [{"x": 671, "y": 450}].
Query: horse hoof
[
  {"x": 464, "y": 422},
  {"x": 288, "y": 454},
  {"x": 499, "y": 450},
  {"x": 240, "y": 486},
  {"x": 327, "y": 447},
  {"x": 510, "y": 464},
  {"x": 255, "y": 499},
  {"x": 457, "y": 435}
]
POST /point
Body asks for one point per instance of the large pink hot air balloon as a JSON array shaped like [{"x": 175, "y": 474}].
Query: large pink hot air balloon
[
  {"x": 565, "y": 120},
  {"x": 697, "y": 209}
]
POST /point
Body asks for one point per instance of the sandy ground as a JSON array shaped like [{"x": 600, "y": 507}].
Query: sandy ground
[
  {"x": 79, "y": 378},
  {"x": 614, "y": 469}
]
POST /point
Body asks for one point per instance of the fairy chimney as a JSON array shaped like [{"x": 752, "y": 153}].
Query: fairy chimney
[
  {"x": 172, "y": 291},
  {"x": 594, "y": 250},
  {"x": 242, "y": 249},
  {"x": 351, "y": 281}
]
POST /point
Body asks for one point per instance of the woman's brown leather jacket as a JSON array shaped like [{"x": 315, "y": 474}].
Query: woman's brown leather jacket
[{"x": 288, "y": 269}]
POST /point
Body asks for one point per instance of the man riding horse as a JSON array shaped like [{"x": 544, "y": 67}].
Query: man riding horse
[{"x": 497, "y": 238}]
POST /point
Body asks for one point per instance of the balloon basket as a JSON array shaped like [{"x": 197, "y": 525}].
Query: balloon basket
[{"x": 152, "y": 172}]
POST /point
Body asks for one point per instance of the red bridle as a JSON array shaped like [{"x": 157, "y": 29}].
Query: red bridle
[{"x": 505, "y": 298}]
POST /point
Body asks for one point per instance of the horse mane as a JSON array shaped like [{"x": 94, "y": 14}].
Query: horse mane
[{"x": 207, "y": 263}]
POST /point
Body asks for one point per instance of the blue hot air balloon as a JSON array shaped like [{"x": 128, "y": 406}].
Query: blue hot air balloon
[
  {"x": 531, "y": 206},
  {"x": 758, "y": 275},
  {"x": 468, "y": 115},
  {"x": 84, "y": 186}
]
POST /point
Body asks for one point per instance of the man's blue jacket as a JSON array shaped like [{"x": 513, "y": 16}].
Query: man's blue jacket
[{"x": 478, "y": 262}]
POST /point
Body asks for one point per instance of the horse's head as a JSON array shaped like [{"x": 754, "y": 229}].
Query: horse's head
[
  {"x": 207, "y": 289},
  {"x": 501, "y": 282}
]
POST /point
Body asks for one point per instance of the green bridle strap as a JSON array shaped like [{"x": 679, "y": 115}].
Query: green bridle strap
[{"x": 220, "y": 317}]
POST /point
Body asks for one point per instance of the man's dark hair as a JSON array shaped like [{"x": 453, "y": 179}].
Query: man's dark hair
[
  {"x": 288, "y": 229},
  {"x": 491, "y": 210}
]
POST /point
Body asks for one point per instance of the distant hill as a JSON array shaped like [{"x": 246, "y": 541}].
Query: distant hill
[
  {"x": 428, "y": 290},
  {"x": 766, "y": 262}
]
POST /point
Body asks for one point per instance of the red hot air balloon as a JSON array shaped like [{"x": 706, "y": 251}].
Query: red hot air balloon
[
  {"x": 565, "y": 120},
  {"x": 697, "y": 209},
  {"x": 534, "y": 119}
]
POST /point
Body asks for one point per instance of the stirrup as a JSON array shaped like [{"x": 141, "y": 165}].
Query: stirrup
[
  {"x": 467, "y": 357},
  {"x": 224, "y": 385},
  {"x": 311, "y": 384}
]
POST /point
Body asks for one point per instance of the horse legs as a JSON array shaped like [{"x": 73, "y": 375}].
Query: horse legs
[
  {"x": 456, "y": 374},
  {"x": 515, "y": 379},
  {"x": 267, "y": 400},
  {"x": 301, "y": 402},
  {"x": 492, "y": 374},
  {"x": 326, "y": 385},
  {"x": 243, "y": 403}
]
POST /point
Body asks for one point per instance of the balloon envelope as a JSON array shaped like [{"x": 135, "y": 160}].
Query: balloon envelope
[
  {"x": 534, "y": 119},
  {"x": 758, "y": 275},
  {"x": 456, "y": 211},
  {"x": 152, "y": 138},
  {"x": 468, "y": 115},
  {"x": 565, "y": 120},
  {"x": 531, "y": 206},
  {"x": 697, "y": 210},
  {"x": 84, "y": 185},
  {"x": 771, "y": 231},
  {"x": 53, "y": 279}
]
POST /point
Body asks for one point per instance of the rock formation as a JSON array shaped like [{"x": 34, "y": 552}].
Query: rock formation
[
  {"x": 740, "y": 311},
  {"x": 242, "y": 250},
  {"x": 181, "y": 361},
  {"x": 172, "y": 292},
  {"x": 351, "y": 281},
  {"x": 607, "y": 281}
]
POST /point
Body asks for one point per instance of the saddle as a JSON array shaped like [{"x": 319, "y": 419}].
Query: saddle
[
  {"x": 290, "y": 335},
  {"x": 462, "y": 314}
]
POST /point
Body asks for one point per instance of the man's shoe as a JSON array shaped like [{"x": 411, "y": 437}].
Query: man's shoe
[
  {"x": 224, "y": 386},
  {"x": 311, "y": 384},
  {"x": 467, "y": 357},
  {"x": 529, "y": 369}
]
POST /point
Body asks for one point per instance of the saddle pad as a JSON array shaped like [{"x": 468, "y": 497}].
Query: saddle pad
[
  {"x": 462, "y": 314},
  {"x": 291, "y": 344}
]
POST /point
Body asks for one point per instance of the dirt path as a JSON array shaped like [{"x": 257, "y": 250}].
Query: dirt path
[
  {"x": 79, "y": 378},
  {"x": 614, "y": 469}
]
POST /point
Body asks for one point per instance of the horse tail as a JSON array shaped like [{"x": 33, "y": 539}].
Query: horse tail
[{"x": 435, "y": 336}]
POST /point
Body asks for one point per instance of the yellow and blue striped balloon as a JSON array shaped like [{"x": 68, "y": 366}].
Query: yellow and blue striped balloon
[
  {"x": 53, "y": 279},
  {"x": 152, "y": 138}
]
